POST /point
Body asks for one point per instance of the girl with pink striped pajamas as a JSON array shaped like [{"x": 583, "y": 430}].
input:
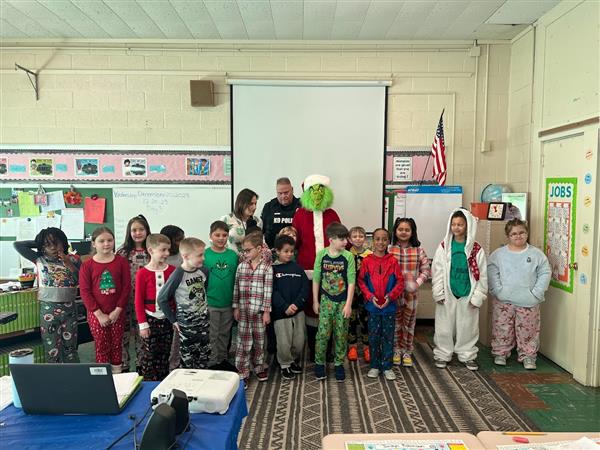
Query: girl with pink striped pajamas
[
  {"x": 416, "y": 269},
  {"x": 519, "y": 275}
]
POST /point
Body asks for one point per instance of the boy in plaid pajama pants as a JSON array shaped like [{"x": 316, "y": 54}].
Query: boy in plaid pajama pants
[{"x": 252, "y": 308}]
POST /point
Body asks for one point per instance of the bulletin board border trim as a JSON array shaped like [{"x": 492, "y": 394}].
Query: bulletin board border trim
[{"x": 127, "y": 166}]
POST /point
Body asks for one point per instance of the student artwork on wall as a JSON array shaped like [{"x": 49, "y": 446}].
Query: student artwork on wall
[
  {"x": 122, "y": 166},
  {"x": 559, "y": 230},
  {"x": 41, "y": 167},
  {"x": 86, "y": 167}
]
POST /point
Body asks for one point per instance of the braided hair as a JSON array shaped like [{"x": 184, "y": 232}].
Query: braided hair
[{"x": 51, "y": 235}]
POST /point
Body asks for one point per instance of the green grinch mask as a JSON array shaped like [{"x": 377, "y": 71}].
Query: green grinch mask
[{"x": 317, "y": 198}]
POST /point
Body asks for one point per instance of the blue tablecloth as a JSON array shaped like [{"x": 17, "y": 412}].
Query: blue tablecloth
[{"x": 212, "y": 431}]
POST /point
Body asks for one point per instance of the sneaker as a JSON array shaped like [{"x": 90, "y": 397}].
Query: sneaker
[
  {"x": 340, "y": 373},
  {"x": 367, "y": 354},
  {"x": 389, "y": 374},
  {"x": 353, "y": 353},
  {"x": 397, "y": 359},
  {"x": 320, "y": 372},
  {"x": 407, "y": 360},
  {"x": 296, "y": 368},
  {"x": 373, "y": 373},
  {"x": 529, "y": 364},
  {"x": 500, "y": 360},
  {"x": 440, "y": 364},
  {"x": 287, "y": 374},
  {"x": 471, "y": 365},
  {"x": 262, "y": 376}
]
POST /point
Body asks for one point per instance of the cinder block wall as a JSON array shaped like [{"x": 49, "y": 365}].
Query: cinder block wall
[{"x": 141, "y": 96}]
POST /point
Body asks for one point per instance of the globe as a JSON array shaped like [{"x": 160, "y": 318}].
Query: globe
[{"x": 493, "y": 192}]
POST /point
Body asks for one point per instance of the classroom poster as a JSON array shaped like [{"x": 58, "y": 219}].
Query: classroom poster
[
  {"x": 402, "y": 168},
  {"x": 559, "y": 230}
]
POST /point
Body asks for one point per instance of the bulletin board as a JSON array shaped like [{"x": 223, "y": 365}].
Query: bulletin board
[
  {"x": 559, "y": 230},
  {"x": 104, "y": 192},
  {"x": 191, "y": 207}
]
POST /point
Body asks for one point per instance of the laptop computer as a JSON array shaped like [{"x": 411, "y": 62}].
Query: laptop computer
[{"x": 72, "y": 388}]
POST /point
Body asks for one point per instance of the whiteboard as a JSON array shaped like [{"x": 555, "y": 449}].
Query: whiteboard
[
  {"x": 191, "y": 207},
  {"x": 297, "y": 130},
  {"x": 430, "y": 207}
]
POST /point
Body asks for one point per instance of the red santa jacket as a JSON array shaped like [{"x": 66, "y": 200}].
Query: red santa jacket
[{"x": 303, "y": 222}]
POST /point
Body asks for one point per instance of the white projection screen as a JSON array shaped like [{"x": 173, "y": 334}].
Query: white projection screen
[{"x": 295, "y": 130}]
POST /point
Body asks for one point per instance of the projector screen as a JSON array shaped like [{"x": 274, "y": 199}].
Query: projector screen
[{"x": 292, "y": 130}]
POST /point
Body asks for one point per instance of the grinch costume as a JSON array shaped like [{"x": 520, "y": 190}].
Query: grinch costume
[{"x": 310, "y": 222}]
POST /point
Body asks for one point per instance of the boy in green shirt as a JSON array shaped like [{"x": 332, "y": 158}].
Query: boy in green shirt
[
  {"x": 334, "y": 278},
  {"x": 221, "y": 263}
]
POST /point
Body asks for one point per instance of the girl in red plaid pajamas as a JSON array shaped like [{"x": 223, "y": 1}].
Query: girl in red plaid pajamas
[
  {"x": 416, "y": 269},
  {"x": 252, "y": 308}
]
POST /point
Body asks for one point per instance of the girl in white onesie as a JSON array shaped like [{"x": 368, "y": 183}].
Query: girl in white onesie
[{"x": 459, "y": 285}]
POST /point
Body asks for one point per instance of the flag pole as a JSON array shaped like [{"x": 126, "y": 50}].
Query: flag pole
[{"x": 429, "y": 157}]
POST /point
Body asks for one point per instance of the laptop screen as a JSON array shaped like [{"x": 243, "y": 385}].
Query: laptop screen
[{"x": 66, "y": 388}]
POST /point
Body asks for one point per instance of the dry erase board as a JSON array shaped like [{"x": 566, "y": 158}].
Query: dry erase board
[{"x": 431, "y": 206}]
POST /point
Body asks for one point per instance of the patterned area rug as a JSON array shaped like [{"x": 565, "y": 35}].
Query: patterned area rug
[{"x": 297, "y": 414}]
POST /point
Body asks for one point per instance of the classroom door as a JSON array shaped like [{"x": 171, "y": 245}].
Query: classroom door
[{"x": 568, "y": 216}]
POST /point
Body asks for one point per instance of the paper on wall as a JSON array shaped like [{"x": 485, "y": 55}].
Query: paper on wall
[
  {"x": 56, "y": 201},
  {"x": 71, "y": 222},
  {"x": 8, "y": 226},
  {"x": 27, "y": 206}
]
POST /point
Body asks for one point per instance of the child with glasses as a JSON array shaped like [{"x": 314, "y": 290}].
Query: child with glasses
[
  {"x": 519, "y": 275},
  {"x": 252, "y": 308}
]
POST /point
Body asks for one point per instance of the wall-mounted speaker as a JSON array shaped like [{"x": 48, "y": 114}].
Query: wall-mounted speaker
[
  {"x": 202, "y": 93},
  {"x": 159, "y": 433}
]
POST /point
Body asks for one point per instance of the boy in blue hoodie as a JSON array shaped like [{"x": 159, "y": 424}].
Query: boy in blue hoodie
[
  {"x": 381, "y": 283},
  {"x": 290, "y": 291}
]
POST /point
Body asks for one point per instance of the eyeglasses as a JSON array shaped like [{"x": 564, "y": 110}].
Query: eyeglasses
[{"x": 515, "y": 234}]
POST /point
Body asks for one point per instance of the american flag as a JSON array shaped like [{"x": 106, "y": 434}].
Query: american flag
[{"x": 438, "y": 151}]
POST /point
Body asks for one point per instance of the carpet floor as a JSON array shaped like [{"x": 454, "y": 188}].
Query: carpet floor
[{"x": 298, "y": 413}]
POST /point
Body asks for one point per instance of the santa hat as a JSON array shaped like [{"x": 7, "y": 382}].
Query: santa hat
[{"x": 314, "y": 179}]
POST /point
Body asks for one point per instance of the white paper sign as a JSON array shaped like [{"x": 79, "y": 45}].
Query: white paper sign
[
  {"x": 402, "y": 168},
  {"x": 56, "y": 201},
  {"x": 72, "y": 222}
]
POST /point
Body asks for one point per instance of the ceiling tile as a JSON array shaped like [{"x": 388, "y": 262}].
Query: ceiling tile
[
  {"x": 166, "y": 18},
  {"x": 409, "y": 19},
  {"x": 105, "y": 18},
  {"x": 380, "y": 16},
  {"x": 196, "y": 18},
  {"x": 18, "y": 20},
  {"x": 257, "y": 19},
  {"x": 288, "y": 19},
  {"x": 76, "y": 18},
  {"x": 440, "y": 19},
  {"x": 521, "y": 11},
  {"x": 136, "y": 18},
  {"x": 39, "y": 13},
  {"x": 227, "y": 19},
  {"x": 8, "y": 31}
]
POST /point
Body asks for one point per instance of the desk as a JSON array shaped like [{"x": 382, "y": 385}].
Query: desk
[
  {"x": 212, "y": 431},
  {"x": 493, "y": 438},
  {"x": 338, "y": 441}
]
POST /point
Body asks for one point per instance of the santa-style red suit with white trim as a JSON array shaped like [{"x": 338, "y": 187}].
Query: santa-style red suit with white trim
[{"x": 311, "y": 226}]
